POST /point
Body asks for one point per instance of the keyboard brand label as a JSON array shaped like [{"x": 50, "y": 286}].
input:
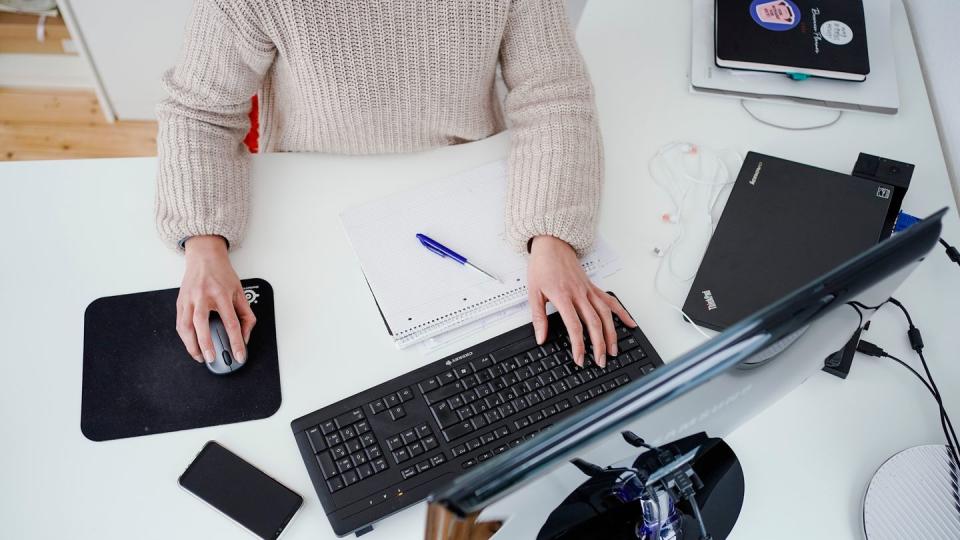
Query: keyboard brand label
[{"x": 458, "y": 358}]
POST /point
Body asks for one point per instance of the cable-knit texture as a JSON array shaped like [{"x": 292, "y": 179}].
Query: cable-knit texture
[{"x": 378, "y": 76}]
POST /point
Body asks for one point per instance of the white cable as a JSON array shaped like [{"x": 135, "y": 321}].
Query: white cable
[
  {"x": 743, "y": 104},
  {"x": 719, "y": 179}
]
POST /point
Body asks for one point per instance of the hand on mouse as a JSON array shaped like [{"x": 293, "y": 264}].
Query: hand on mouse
[
  {"x": 554, "y": 274},
  {"x": 210, "y": 284}
]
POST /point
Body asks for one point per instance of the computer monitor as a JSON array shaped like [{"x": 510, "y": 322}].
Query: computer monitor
[{"x": 714, "y": 388}]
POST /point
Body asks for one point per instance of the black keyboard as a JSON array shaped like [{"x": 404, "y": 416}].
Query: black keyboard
[{"x": 388, "y": 447}]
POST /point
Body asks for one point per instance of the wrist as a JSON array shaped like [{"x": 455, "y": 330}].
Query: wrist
[
  {"x": 205, "y": 246},
  {"x": 546, "y": 242}
]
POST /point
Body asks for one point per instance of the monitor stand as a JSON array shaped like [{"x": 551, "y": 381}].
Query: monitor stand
[{"x": 593, "y": 511}]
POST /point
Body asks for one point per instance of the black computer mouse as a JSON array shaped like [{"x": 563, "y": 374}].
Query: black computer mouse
[{"x": 223, "y": 361}]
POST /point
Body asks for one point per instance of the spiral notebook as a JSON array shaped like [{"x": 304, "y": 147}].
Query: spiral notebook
[{"x": 421, "y": 295}]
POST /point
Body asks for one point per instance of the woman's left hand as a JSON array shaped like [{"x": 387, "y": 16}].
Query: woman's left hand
[{"x": 554, "y": 274}]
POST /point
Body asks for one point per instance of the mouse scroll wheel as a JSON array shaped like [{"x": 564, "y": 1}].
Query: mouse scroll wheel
[{"x": 227, "y": 359}]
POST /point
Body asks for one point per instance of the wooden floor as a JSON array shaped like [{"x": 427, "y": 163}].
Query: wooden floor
[{"x": 66, "y": 124}]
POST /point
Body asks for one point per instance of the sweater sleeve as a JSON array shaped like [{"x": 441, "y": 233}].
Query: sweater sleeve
[
  {"x": 203, "y": 167},
  {"x": 555, "y": 164}
]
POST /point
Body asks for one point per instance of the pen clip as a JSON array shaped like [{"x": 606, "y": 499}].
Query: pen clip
[{"x": 440, "y": 249}]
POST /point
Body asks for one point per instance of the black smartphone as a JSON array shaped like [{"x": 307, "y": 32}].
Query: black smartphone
[{"x": 240, "y": 491}]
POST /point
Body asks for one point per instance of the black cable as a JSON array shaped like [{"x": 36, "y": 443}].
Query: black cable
[
  {"x": 916, "y": 343},
  {"x": 870, "y": 349},
  {"x": 952, "y": 252}
]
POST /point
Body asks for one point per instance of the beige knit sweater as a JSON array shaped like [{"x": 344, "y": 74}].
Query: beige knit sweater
[{"x": 378, "y": 76}]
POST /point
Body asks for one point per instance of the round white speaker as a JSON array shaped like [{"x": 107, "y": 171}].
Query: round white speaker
[{"x": 914, "y": 494}]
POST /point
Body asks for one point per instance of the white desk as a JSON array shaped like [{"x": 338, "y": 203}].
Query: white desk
[{"x": 78, "y": 230}]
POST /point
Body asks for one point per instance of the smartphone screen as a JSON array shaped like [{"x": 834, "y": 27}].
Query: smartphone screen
[{"x": 241, "y": 491}]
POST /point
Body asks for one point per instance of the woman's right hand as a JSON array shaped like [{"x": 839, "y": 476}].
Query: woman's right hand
[{"x": 210, "y": 284}]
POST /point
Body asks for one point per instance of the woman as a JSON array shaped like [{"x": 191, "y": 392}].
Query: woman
[{"x": 381, "y": 76}]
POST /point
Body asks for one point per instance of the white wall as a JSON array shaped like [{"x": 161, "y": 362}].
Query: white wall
[
  {"x": 936, "y": 31},
  {"x": 131, "y": 43}
]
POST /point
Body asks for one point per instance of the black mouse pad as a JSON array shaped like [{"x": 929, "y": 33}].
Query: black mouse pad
[{"x": 138, "y": 378}]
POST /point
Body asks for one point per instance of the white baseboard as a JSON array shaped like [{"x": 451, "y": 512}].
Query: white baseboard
[{"x": 44, "y": 71}]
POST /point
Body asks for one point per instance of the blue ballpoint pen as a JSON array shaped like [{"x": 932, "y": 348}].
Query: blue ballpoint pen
[{"x": 444, "y": 251}]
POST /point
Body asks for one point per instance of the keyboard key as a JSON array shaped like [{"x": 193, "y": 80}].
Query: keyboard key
[
  {"x": 344, "y": 464},
  {"x": 379, "y": 464},
  {"x": 444, "y": 392},
  {"x": 447, "y": 377},
  {"x": 627, "y": 344},
  {"x": 550, "y": 410},
  {"x": 317, "y": 441},
  {"x": 358, "y": 458},
  {"x": 492, "y": 416},
  {"x": 339, "y": 452},
  {"x": 373, "y": 452},
  {"x": 459, "y": 450},
  {"x": 485, "y": 456},
  {"x": 367, "y": 439},
  {"x": 361, "y": 427},
  {"x": 478, "y": 422},
  {"x": 444, "y": 415},
  {"x": 400, "y": 455},
  {"x": 335, "y": 484},
  {"x": 408, "y": 436},
  {"x": 582, "y": 397},
  {"x": 516, "y": 442},
  {"x": 394, "y": 442},
  {"x": 469, "y": 463},
  {"x": 472, "y": 444},
  {"x": 535, "y": 417},
  {"x": 506, "y": 410},
  {"x": 347, "y": 433},
  {"x": 327, "y": 427},
  {"x": 327, "y": 467},
  {"x": 429, "y": 442},
  {"x": 469, "y": 396},
  {"x": 429, "y": 385},
  {"x": 377, "y": 407},
  {"x": 334, "y": 439},
  {"x": 500, "y": 449},
  {"x": 405, "y": 394},
  {"x": 422, "y": 466},
  {"x": 487, "y": 438},
  {"x": 423, "y": 430},
  {"x": 364, "y": 471},
  {"x": 353, "y": 445},
  {"x": 350, "y": 477},
  {"x": 409, "y": 472},
  {"x": 348, "y": 418},
  {"x": 437, "y": 460},
  {"x": 484, "y": 390},
  {"x": 464, "y": 413},
  {"x": 455, "y": 402},
  {"x": 623, "y": 379},
  {"x": 609, "y": 385},
  {"x": 397, "y": 412},
  {"x": 391, "y": 401},
  {"x": 513, "y": 350},
  {"x": 646, "y": 368},
  {"x": 501, "y": 431},
  {"x": 481, "y": 363},
  {"x": 457, "y": 430},
  {"x": 462, "y": 370},
  {"x": 415, "y": 449}
]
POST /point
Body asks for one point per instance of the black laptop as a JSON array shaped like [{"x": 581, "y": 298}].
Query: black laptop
[{"x": 784, "y": 224}]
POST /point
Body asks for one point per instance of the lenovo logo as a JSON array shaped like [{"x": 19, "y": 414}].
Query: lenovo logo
[
  {"x": 708, "y": 298},
  {"x": 756, "y": 174}
]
